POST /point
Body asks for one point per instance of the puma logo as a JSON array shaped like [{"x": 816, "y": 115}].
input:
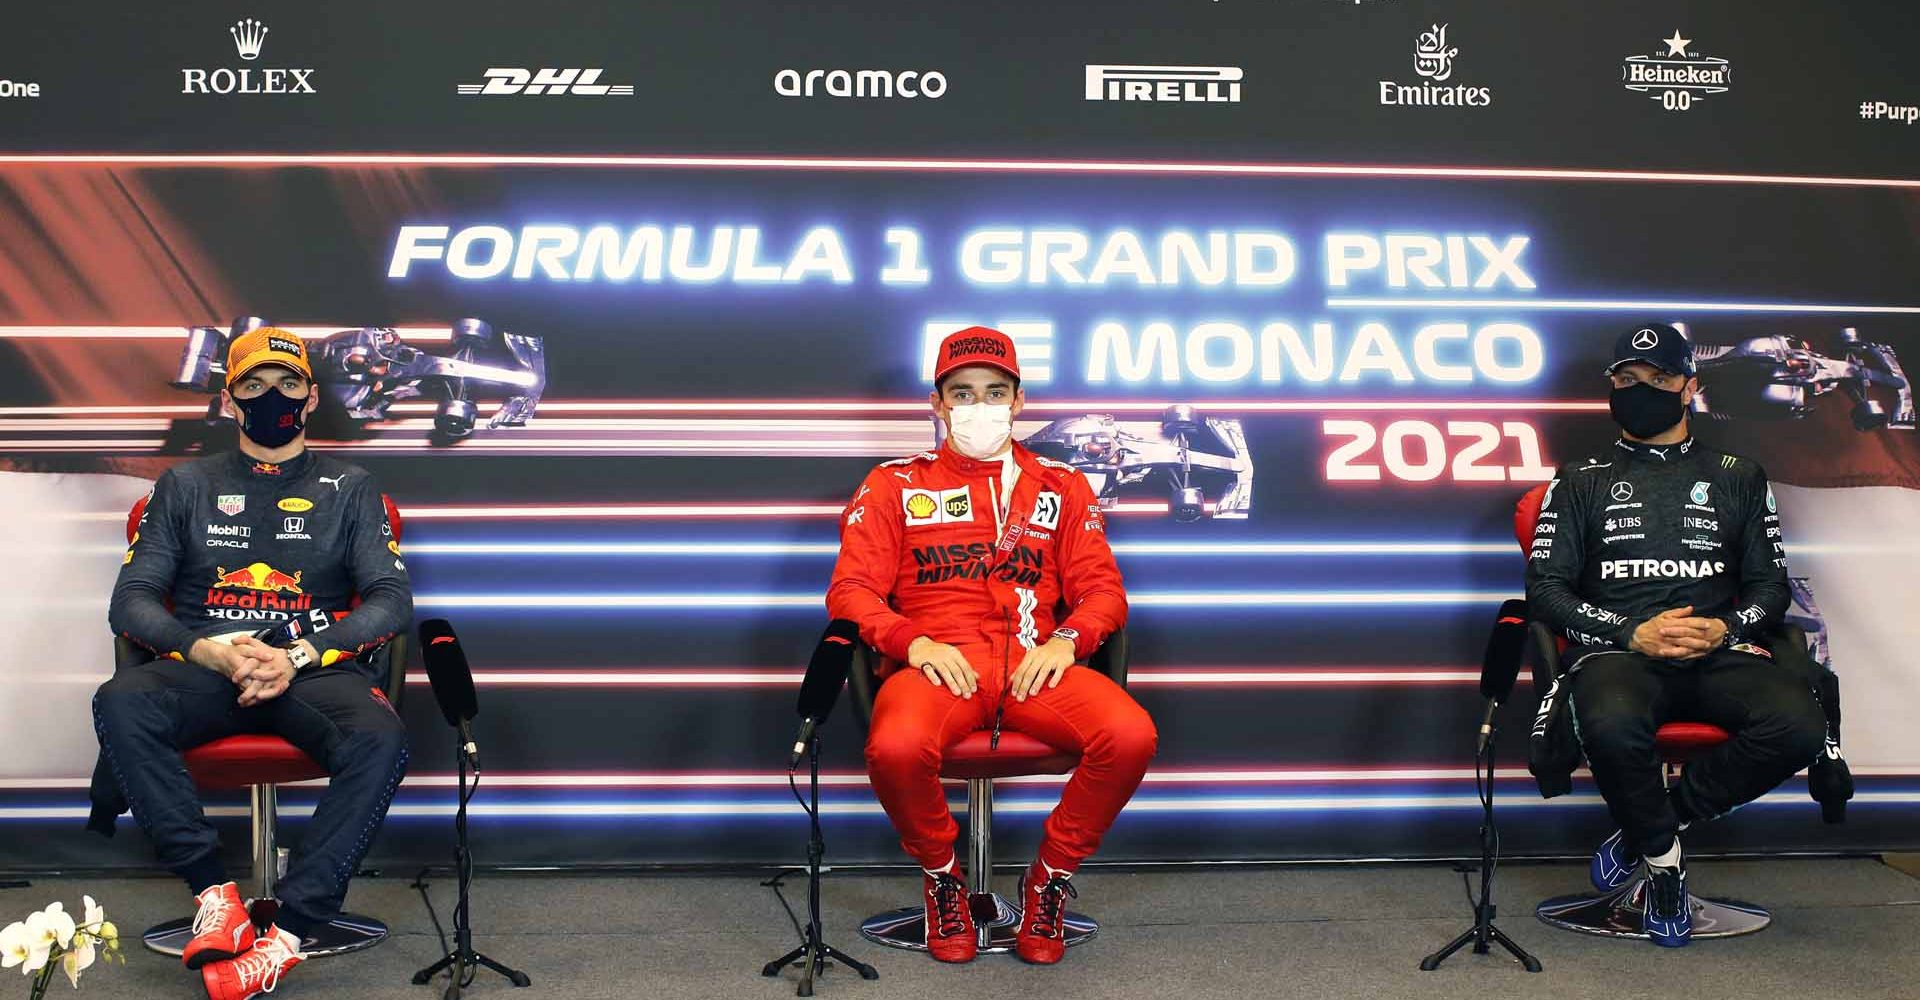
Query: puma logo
[{"x": 334, "y": 482}]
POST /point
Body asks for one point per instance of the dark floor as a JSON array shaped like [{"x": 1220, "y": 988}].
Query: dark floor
[{"x": 1842, "y": 929}]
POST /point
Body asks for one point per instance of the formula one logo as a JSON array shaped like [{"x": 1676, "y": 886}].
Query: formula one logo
[
  {"x": 258, "y": 576},
  {"x": 509, "y": 81},
  {"x": 1676, "y": 77},
  {"x": 249, "y": 37},
  {"x": 231, "y": 503},
  {"x": 1433, "y": 59},
  {"x": 1046, "y": 511},
  {"x": 19, "y": 88},
  {"x": 1165, "y": 84}
]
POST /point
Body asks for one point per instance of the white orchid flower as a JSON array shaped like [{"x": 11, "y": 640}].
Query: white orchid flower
[
  {"x": 77, "y": 960},
  {"x": 15, "y": 945},
  {"x": 42, "y": 934},
  {"x": 95, "y": 913},
  {"x": 56, "y": 921}
]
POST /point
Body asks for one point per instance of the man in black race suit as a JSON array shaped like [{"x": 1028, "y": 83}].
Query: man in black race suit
[{"x": 1662, "y": 562}]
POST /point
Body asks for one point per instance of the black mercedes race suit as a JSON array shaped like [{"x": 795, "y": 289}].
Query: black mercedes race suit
[
  {"x": 230, "y": 545},
  {"x": 1645, "y": 529}
]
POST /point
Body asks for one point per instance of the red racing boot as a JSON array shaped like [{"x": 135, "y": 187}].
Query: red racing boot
[
  {"x": 221, "y": 927},
  {"x": 1043, "y": 915},
  {"x": 950, "y": 933},
  {"x": 256, "y": 972}
]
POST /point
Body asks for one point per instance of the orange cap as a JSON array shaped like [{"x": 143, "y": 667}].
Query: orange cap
[{"x": 267, "y": 345}]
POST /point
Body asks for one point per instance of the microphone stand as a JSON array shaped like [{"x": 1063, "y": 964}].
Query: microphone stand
[
  {"x": 813, "y": 954},
  {"x": 1483, "y": 933},
  {"x": 463, "y": 960}
]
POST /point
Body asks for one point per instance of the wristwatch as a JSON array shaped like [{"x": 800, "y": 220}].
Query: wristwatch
[{"x": 299, "y": 657}]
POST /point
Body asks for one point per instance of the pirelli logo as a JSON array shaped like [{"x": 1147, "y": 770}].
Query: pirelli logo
[{"x": 1165, "y": 84}]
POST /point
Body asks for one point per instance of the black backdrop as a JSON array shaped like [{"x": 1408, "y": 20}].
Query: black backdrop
[{"x": 636, "y": 571}]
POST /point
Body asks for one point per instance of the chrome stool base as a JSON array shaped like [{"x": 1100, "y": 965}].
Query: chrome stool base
[
  {"x": 1618, "y": 914},
  {"x": 346, "y": 933},
  {"x": 998, "y": 922}
]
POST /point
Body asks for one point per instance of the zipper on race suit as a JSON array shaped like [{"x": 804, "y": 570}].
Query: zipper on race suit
[{"x": 1006, "y": 672}]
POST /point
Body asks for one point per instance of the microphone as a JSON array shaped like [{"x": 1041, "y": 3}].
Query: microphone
[
  {"x": 826, "y": 675},
  {"x": 1500, "y": 665},
  {"x": 452, "y": 682},
  {"x": 292, "y": 630}
]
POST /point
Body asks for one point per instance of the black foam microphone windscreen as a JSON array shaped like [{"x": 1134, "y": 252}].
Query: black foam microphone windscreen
[
  {"x": 1506, "y": 646},
  {"x": 447, "y": 669},
  {"x": 827, "y": 670}
]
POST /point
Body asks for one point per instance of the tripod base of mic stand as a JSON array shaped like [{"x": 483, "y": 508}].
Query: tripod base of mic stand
[
  {"x": 1482, "y": 935},
  {"x": 460, "y": 961},
  {"x": 826, "y": 953}
]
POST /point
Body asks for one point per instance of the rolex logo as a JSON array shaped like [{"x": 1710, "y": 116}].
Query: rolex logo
[{"x": 248, "y": 36}]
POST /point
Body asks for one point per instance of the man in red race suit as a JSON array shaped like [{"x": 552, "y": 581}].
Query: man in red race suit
[{"x": 954, "y": 562}]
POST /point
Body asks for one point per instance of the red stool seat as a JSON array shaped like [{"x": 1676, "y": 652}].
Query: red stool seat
[
  {"x": 1678, "y": 741},
  {"x": 1018, "y": 754},
  {"x": 244, "y": 761}
]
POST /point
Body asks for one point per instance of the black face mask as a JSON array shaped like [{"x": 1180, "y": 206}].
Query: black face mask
[
  {"x": 272, "y": 418},
  {"x": 1644, "y": 410}
]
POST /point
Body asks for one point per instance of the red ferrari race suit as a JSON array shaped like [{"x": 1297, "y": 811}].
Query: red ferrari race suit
[{"x": 936, "y": 545}]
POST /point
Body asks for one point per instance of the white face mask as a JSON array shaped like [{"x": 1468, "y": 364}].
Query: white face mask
[{"x": 981, "y": 430}]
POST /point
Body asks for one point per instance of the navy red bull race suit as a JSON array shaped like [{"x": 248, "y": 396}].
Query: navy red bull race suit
[{"x": 226, "y": 545}]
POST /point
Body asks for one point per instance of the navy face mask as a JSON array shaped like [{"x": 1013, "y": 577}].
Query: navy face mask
[
  {"x": 1644, "y": 410},
  {"x": 272, "y": 418}
]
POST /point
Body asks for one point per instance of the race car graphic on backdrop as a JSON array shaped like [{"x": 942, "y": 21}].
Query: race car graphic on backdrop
[
  {"x": 1804, "y": 613},
  {"x": 1780, "y": 377},
  {"x": 1196, "y": 462},
  {"x": 365, "y": 371}
]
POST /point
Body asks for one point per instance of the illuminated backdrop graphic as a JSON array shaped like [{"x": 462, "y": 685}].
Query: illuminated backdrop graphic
[{"x": 624, "y": 303}]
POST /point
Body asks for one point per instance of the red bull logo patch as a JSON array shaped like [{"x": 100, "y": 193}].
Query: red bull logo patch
[
  {"x": 256, "y": 592},
  {"x": 258, "y": 576}
]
